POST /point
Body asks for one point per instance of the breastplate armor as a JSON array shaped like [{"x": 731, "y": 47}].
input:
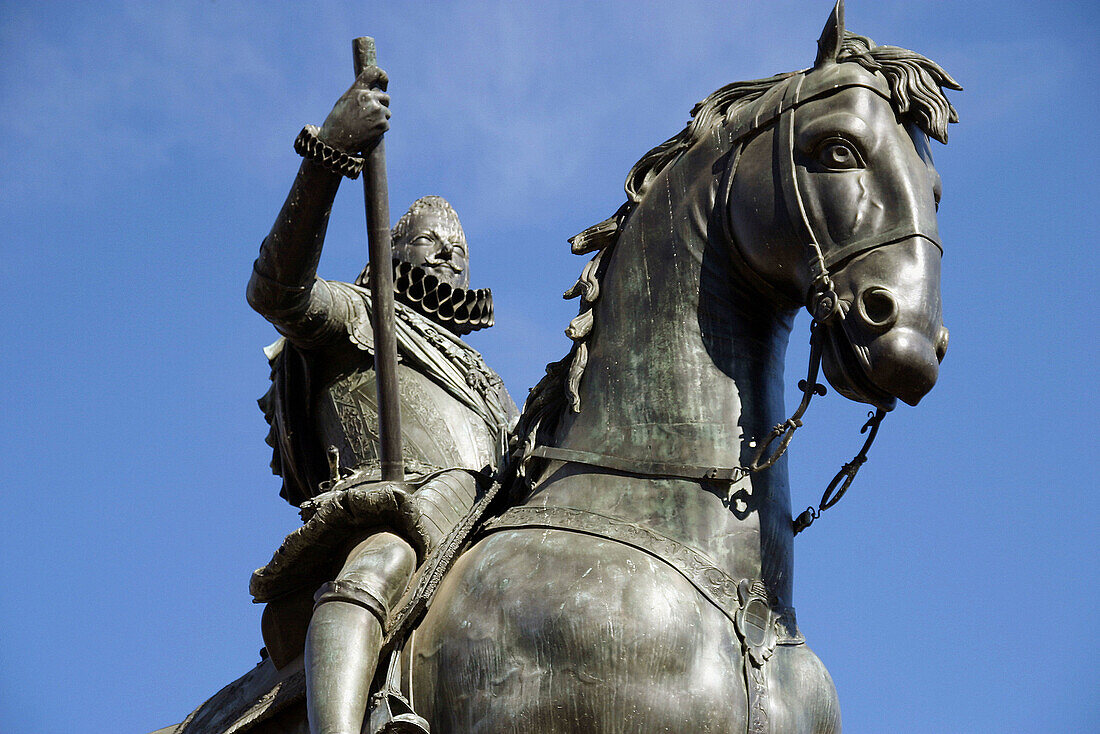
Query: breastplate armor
[{"x": 438, "y": 431}]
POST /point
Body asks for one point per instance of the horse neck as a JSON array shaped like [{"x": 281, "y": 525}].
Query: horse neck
[
  {"x": 685, "y": 366},
  {"x": 685, "y": 363}
]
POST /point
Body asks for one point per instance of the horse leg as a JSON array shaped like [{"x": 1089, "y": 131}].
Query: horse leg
[{"x": 804, "y": 698}]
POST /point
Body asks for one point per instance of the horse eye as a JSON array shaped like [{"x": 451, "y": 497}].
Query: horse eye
[{"x": 838, "y": 154}]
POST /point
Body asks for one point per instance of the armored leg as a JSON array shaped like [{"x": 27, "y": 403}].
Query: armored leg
[{"x": 345, "y": 633}]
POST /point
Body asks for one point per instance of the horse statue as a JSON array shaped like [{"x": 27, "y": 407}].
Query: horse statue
[
  {"x": 634, "y": 572},
  {"x": 630, "y": 567}
]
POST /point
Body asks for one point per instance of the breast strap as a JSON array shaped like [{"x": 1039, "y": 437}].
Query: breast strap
[
  {"x": 658, "y": 469},
  {"x": 760, "y": 623}
]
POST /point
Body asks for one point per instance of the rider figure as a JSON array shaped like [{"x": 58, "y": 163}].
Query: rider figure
[{"x": 362, "y": 538}]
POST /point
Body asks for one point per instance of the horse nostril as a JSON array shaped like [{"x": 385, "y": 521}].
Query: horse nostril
[
  {"x": 941, "y": 343},
  {"x": 878, "y": 307}
]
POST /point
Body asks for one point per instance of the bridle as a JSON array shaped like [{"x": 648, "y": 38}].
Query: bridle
[{"x": 778, "y": 107}]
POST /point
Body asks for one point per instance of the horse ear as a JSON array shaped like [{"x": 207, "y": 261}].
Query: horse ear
[{"x": 832, "y": 37}]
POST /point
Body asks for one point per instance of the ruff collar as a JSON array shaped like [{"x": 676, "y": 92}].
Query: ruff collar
[{"x": 459, "y": 310}]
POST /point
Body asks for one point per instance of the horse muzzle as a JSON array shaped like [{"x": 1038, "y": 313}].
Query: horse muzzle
[{"x": 888, "y": 340}]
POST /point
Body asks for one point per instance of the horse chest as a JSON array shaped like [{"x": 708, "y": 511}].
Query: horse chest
[{"x": 550, "y": 631}]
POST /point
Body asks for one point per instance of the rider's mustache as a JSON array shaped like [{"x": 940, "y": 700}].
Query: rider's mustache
[{"x": 436, "y": 262}]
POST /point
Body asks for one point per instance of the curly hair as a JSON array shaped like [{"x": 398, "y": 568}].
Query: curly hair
[
  {"x": 401, "y": 229},
  {"x": 426, "y": 203},
  {"x": 916, "y": 82}
]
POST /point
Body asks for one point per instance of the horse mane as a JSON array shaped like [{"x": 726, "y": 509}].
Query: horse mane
[
  {"x": 916, "y": 86},
  {"x": 916, "y": 82}
]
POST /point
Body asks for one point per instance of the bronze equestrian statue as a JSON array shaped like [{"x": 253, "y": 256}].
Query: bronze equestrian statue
[{"x": 630, "y": 567}]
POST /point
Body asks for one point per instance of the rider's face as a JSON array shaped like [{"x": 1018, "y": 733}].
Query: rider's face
[{"x": 435, "y": 244}]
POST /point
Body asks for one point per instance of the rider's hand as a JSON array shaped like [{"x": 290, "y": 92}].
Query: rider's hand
[
  {"x": 361, "y": 115},
  {"x": 352, "y": 491}
]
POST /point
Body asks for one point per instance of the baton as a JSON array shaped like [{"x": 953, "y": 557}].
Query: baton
[{"x": 380, "y": 255}]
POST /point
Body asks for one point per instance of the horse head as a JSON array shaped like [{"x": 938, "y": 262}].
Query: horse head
[{"x": 830, "y": 202}]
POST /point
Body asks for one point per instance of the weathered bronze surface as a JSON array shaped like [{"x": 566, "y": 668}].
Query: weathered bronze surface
[{"x": 629, "y": 569}]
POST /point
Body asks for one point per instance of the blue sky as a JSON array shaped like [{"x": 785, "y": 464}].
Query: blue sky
[{"x": 147, "y": 150}]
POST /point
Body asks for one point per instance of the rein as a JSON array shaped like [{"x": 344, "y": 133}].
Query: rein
[{"x": 784, "y": 433}]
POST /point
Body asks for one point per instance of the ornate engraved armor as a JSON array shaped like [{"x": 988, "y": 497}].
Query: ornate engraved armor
[{"x": 322, "y": 404}]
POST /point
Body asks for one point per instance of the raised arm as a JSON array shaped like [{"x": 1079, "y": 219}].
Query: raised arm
[{"x": 284, "y": 287}]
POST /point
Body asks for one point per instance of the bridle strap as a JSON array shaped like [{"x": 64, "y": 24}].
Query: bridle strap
[
  {"x": 821, "y": 298},
  {"x": 837, "y": 257},
  {"x": 783, "y": 154},
  {"x": 771, "y": 105}
]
